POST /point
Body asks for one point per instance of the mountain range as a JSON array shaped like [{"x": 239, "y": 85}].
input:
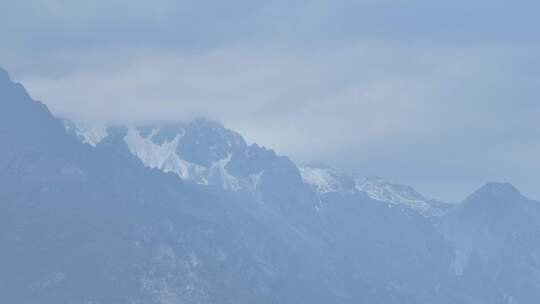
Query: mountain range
[{"x": 190, "y": 213}]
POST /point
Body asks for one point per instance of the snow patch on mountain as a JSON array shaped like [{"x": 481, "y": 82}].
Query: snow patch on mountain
[
  {"x": 91, "y": 135},
  {"x": 255, "y": 181},
  {"x": 327, "y": 180},
  {"x": 162, "y": 156},
  {"x": 165, "y": 157},
  {"x": 228, "y": 181},
  {"x": 211, "y": 149},
  {"x": 384, "y": 191},
  {"x": 323, "y": 180}
]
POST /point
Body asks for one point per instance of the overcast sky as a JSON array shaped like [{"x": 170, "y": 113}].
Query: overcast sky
[{"x": 441, "y": 95}]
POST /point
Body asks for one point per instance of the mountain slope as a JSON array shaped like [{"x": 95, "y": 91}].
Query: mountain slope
[
  {"x": 92, "y": 225},
  {"x": 83, "y": 224},
  {"x": 495, "y": 233}
]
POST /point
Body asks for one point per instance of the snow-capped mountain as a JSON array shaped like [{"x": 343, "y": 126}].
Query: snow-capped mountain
[
  {"x": 384, "y": 191},
  {"x": 202, "y": 151},
  {"x": 160, "y": 150},
  {"x": 199, "y": 152},
  {"x": 82, "y": 223},
  {"x": 325, "y": 180},
  {"x": 147, "y": 215}
]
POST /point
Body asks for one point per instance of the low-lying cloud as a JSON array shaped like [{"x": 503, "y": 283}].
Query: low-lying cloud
[{"x": 444, "y": 108}]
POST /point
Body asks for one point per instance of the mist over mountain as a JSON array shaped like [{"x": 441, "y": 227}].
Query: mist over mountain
[{"x": 191, "y": 213}]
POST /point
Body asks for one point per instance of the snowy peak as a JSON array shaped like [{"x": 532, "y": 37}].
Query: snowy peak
[
  {"x": 384, "y": 191},
  {"x": 207, "y": 153},
  {"x": 201, "y": 151},
  {"x": 327, "y": 180}
]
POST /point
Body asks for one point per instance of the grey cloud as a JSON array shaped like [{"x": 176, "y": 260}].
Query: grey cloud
[
  {"x": 443, "y": 96},
  {"x": 50, "y": 24}
]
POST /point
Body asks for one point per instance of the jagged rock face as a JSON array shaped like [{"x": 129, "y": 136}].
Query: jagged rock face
[{"x": 190, "y": 213}]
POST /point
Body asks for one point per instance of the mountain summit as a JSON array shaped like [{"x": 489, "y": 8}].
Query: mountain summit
[{"x": 497, "y": 190}]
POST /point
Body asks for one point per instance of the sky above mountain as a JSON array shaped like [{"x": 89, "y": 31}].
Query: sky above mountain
[{"x": 439, "y": 95}]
